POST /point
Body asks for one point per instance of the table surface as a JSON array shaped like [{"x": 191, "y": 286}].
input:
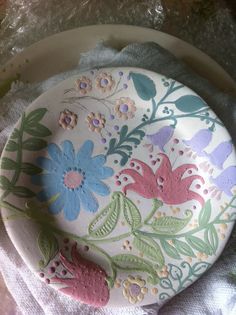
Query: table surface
[{"x": 201, "y": 16}]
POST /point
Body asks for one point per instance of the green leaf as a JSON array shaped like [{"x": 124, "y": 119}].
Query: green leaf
[
  {"x": 126, "y": 147},
  {"x": 130, "y": 211},
  {"x": 8, "y": 164},
  {"x": 5, "y": 183},
  {"x": 128, "y": 262},
  {"x": 15, "y": 134},
  {"x": 35, "y": 116},
  {"x": 34, "y": 144},
  {"x": 175, "y": 272},
  {"x": 123, "y": 132},
  {"x": 124, "y": 156},
  {"x": 211, "y": 238},
  {"x": 37, "y": 130},
  {"x": 144, "y": 86},
  {"x": 171, "y": 225},
  {"x": 11, "y": 146},
  {"x": 149, "y": 248},
  {"x": 199, "y": 268},
  {"x": 189, "y": 103},
  {"x": 133, "y": 140},
  {"x": 110, "y": 282},
  {"x": 183, "y": 248},
  {"x": 112, "y": 144},
  {"x": 48, "y": 245},
  {"x": 106, "y": 220},
  {"x": 205, "y": 214},
  {"x": 170, "y": 250},
  {"x": 198, "y": 244},
  {"x": 139, "y": 132},
  {"x": 166, "y": 283},
  {"x": 30, "y": 169},
  {"x": 22, "y": 192}
]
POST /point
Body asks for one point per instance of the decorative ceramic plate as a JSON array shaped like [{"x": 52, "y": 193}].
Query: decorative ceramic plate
[{"x": 118, "y": 187}]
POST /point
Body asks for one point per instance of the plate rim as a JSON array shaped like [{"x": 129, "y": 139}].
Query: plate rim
[{"x": 118, "y": 35}]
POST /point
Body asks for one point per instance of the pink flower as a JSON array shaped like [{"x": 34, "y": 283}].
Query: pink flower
[
  {"x": 87, "y": 282},
  {"x": 165, "y": 184}
]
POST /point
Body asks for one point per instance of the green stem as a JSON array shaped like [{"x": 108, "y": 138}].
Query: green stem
[
  {"x": 155, "y": 108},
  {"x": 112, "y": 239},
  {"x": 217, "y": 220},
  {"x": 9, "y": 206},
  {"x": 18, "y": 158},
  {"x": 156, "y": 204}
]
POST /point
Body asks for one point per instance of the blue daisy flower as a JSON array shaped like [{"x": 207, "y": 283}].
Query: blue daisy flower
[{"x": 72, "y": 179}]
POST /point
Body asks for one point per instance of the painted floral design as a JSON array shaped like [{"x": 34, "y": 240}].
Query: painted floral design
[
  {"x": 134, "y": 289},
  {"x": 71, "y": 179},
  {"x": 220, "y": 154},
  {"x": 87, "y": 282},
  {"x": 166, "y": 184},
  {"x": 226, "y": 180},
  {"x": 96, "y": 122},
  {"x": 125, "y": 233},
  {"x": 83, "y": 85},
  {"x": 104, "y": 82},
  {"x": 199, "y": 141},
  {"x": 161, "y": 137},
  {"x": 68, "y": 119},
  {"x": 125, "y": 108}
]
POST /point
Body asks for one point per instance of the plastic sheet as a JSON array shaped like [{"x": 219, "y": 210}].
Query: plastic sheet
[{"x": 208, "y": 24}]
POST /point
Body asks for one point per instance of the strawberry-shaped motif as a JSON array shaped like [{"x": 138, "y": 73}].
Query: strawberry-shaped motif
[{"x": 87, "y": 283}]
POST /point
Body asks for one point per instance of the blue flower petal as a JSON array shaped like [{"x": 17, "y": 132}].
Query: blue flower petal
[
  {"x": 85, "y": 152},
  {"x": 47, "y": 164},
  {"x": 98, "y": 187},
  {"x": 88, "y": 200},
  {"x": 99, "y": 160},
  {"x": 57, "y": 205},
  {"x": 106, "y": 172},
  {"x": 99, "y": 172},
  {"x": 68, "y": 151},
  {"x": 72, "y": 206},
  {"x": 55, "y": 153},
  {"x": 51, "y": 180}
]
